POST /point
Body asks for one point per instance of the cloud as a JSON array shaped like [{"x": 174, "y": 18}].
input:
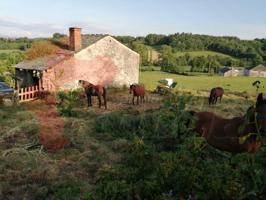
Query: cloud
[
  {"x": 12, "y": 27},
  {"x": 15, "y": 28}
]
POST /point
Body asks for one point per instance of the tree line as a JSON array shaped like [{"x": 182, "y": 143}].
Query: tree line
[
  {"x": 17, "y": 43},
  {"x": 241, "y": 53}
]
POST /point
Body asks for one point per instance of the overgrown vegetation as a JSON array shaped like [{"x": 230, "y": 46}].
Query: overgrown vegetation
[
  {"x": 7, "y": 60},
  {"x": 126, "y": 154},
  {"x": 166, "y": 160},
  {"x": 66, "y": 102},
  {"x": 18, "y": 43}
]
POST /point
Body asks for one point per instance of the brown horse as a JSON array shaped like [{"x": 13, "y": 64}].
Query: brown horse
[
  {"x": 236, "y": 135},
  {"x": 94, "y": 90},
  {"x": 214, "y": 94},
  {"x": 138, "y": 91}
]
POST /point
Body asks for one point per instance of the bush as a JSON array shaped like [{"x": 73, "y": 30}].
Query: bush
[
  {"x": 147, "y": 68},
  {"x": 166, "y": 160},
  {"x": 66, "y": 102}
]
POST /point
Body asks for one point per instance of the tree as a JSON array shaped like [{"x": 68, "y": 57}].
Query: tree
[
  {"x": 58, "y": 35},
  {"x": 154, "y": 39},
  {"x": 167, "y": 57},
  {"x": 7, "y": 71},
  {"x": 143, "y": 51}
]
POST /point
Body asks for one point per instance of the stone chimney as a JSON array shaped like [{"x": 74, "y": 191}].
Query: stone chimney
[{"x": 75, "y": 38}]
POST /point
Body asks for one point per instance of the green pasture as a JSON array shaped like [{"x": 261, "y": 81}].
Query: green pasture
[
  {"x": 9, "y": 50},
  {"x": 200, "y": 53},
  {"x": 233, "y": 84}
]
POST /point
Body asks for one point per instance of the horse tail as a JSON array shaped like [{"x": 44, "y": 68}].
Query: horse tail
[
  {"x": 105, "y": 97},
  {"x": 210, "y": 98},
  {"x": 212, "y": 95}
]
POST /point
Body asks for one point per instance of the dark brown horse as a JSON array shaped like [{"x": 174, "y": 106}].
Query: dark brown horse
[
  {"x": 236, "y": 135},
  {"x": 214, "y": 94},
  {"x": 138, "y": 91},
  {"x": 94, "y": 90}
]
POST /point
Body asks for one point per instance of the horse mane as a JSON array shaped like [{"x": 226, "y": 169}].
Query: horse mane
[{"x": 85, "y": 84}]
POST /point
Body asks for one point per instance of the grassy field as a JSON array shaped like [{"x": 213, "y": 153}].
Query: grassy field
[
  {"x": 232, "y": 84},
  {"x": 9, "y": 50},
  {"x": 200, "y": 53}
]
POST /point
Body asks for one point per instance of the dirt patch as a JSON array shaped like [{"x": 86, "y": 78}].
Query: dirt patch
[
  {"x": 51, "y": 126},
  {"x": 123, "y": 101}
]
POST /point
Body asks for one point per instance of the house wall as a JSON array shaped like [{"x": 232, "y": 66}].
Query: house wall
[
  {"x": 233, "y": 72},
  {"x": 253, "y": 73},
  {"x": 106, "y": 62},
  {"x": 59, "y": 76},
  {"x": 114, "y": 63}
]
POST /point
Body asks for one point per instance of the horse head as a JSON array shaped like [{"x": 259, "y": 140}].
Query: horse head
[
  {"x": 131, "y": 88},
  {"x": 81, "y": 82},
  {"x": 261, "y": 113},
  {"x": 85, "y": 84}
]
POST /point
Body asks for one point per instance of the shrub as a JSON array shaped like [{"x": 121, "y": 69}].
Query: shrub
[
  {"x": 66, "y": 102},
  {"x": 166, "y": 160},
  {"x": 159, "y": 125}
]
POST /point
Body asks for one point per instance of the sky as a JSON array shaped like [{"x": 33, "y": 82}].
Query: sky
[{"x": 245, "y": 19}]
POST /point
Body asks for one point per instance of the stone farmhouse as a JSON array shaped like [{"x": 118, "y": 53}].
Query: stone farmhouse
[
  {"x": 95, "y": 58},
  {"x": 231, "y": 71},
  {"x": 258, "y": 71}
]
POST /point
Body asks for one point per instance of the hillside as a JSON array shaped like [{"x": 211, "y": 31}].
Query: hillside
[
  {"x": 156, "y": 54},
  {"x": 201, "y": 53}
]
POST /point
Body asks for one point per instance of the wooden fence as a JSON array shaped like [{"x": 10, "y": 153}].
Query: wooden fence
[{"x": 28, "y": 94}]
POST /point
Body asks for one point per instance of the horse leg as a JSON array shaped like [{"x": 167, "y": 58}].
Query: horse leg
[
  {"x": 137, "y": 100},
  {"x": 100, "y": 101},
  {"x": 133, "y": 100},
  {"x": 89, "y": 100},
  {"x": 104, "y": 101},
  {"x": 210, "y": 100},
  {"x": 220, "y": 99},
  {"x": 215, "y": 100}
]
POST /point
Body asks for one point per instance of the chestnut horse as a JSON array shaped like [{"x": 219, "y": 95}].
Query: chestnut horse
[
  {"x": 214, "y": 94},
  {"x": 94, "y": 90},
  {"x": 236, "y": 135},
  {"x": 138, "y": 91}
]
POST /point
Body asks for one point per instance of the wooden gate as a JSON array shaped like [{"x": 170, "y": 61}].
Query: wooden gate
[{"x": 28, "y": 93}]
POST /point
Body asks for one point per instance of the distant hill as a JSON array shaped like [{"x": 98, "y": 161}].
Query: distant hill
[{"x": 250, "y": 52}]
